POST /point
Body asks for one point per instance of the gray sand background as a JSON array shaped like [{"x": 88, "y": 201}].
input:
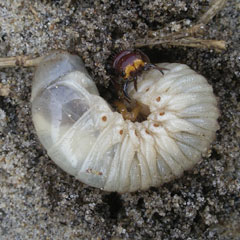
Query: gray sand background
[{"x": 39, "y": 201}]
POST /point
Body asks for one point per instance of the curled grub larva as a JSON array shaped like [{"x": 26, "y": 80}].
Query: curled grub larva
[{"x": 88, "y": 139}]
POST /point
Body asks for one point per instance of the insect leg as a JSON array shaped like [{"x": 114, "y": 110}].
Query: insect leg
[
  {"x": 135, "y": 83},
  {"x": 125, "y": 90},
  {"x": 150, "y": 65}
]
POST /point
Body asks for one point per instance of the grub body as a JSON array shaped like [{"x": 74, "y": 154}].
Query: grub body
[{"x": 87, "y": 139}]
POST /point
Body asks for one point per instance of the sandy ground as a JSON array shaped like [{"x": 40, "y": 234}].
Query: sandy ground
[{"x": 39, "y": 201}]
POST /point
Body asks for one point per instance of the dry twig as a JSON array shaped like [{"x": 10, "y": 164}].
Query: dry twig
[
  {"x": 34, "y": 12},
  {"x": 182, "y": 38},
  {"x": 217, "y": 5},
  {"x": 22, "y": 61},
  {"x": 186, "y": 37}
]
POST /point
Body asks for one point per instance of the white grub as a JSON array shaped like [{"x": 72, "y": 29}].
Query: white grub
[{"x": 87, "y": 139}]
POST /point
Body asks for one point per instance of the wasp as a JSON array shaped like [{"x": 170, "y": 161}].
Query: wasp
[{"x": 128, "y": 65}]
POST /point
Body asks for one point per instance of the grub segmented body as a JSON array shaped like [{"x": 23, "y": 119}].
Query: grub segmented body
[{"x": 87, "y": 139}]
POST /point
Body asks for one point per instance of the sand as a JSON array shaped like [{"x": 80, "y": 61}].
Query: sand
[{"x": 39, "y": 201}]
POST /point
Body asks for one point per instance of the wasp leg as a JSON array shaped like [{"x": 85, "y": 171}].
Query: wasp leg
[
  {"x": 149, "y": 66},
  {"x": 135, "y": 83},
  {"x": 125, "y": 91},
  {"x": 160, "y": 69}
]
